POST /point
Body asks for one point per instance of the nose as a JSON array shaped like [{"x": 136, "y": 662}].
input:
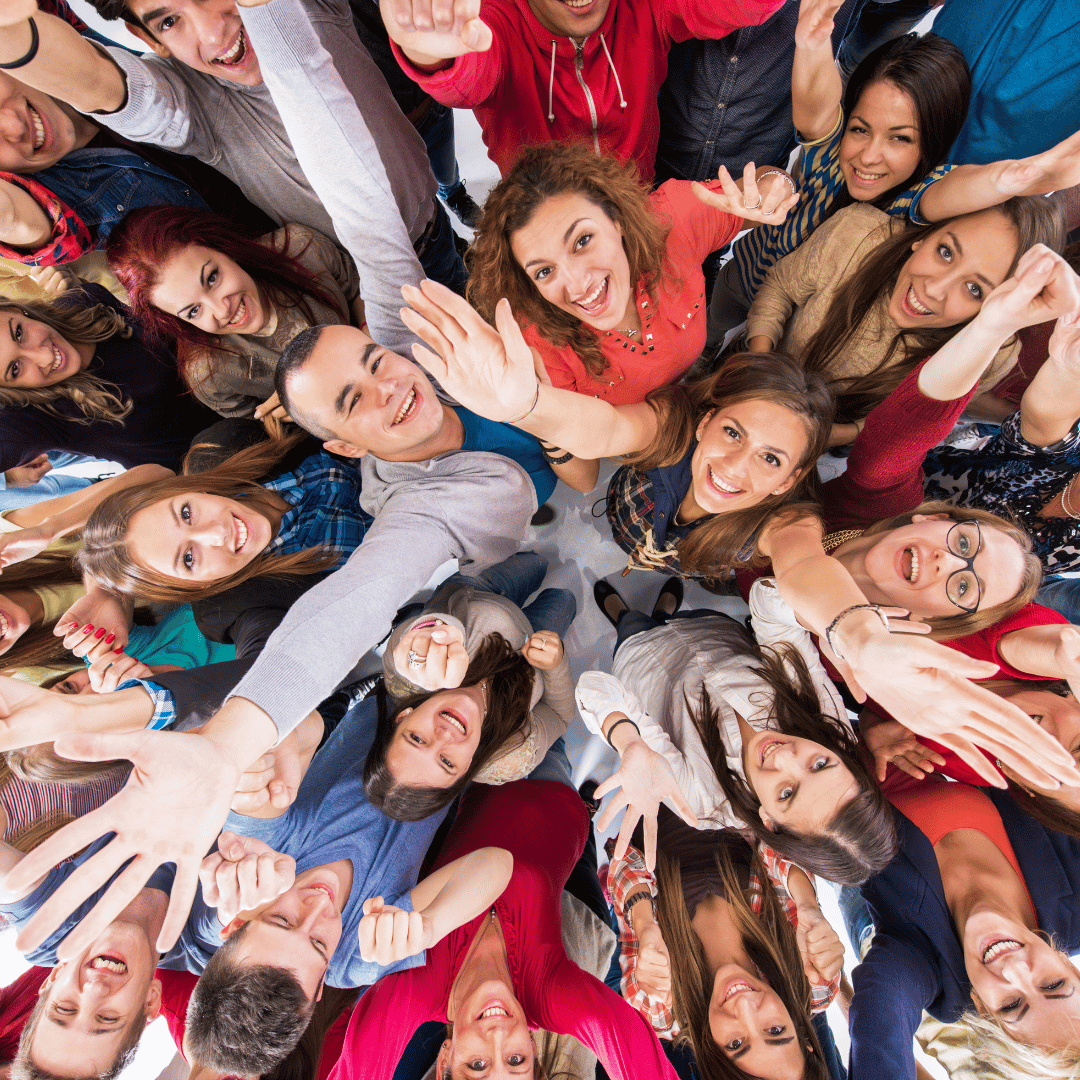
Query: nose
[
  {"x": 873, "y": 151},
  {"x": 316, "y": 903},
  {"x": 211, "y": 533},
  {"x": 218, "y": 307},
  {"x": 212, "y": 25}
]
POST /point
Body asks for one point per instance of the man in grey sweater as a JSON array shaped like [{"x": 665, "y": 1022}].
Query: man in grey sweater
[{"x": 203, "y": 94}]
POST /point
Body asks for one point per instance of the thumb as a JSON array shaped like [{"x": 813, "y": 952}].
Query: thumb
[
  {"x": 476, "y": 35},
  {"x": 85, "y": 746},
  {"x": 509, "y": 331}
]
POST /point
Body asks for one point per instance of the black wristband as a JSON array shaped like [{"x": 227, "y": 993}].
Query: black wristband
[
  {"x": 641, "y": 894},
  {"x": 35, "y": 41},
  {"x": 551, "y": 460},
  {"x": 624, "y": 720}
]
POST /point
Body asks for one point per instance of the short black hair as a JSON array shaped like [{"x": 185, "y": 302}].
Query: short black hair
[
  {"x": 244, "y": 1019},
  {"x": 111, "y": 10},
  {"x": 295, "y": 355}
]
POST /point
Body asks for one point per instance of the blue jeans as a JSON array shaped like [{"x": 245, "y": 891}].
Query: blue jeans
[
  {"x": 439, "y": 254},
  {"x": 437, "y": 131},
  {"x": 637, "y": 622},
  {"x": 1063, "y": 595}
]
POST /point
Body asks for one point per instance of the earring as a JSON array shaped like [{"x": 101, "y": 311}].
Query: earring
[{"x": 777, "y": 492}]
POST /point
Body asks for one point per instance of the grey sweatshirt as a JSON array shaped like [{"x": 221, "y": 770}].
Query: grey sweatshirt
[
  {"x": 467, "y": 505},
  {"x": 355, "y": 146}
]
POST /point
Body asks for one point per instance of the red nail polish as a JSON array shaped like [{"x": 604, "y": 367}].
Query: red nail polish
[
  {"x": 110, "y": 639},
  {"x": 118, "y": 650},
  {"x": 100, "y": 633},
  {"x": 73, "y": 626},
  {"x": 87, "y": 628}
]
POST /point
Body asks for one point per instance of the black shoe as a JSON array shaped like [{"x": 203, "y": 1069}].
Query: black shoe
[
  {"x": 673, "y": 588},
  {"x": 544, "y": 516},
  {"x": 464, "y": 206},
  {"x": 587, "y": 791},
  {"x": 601, "y": 591}
]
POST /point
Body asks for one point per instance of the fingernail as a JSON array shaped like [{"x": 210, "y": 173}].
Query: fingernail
[
  {"x": 110, "y": 639},
  {"x": 100, "y": 633},
  {"x": 87, "y": 628},
  {"x": 120, "y": 650},
  {"x": 73, "y": 626}
]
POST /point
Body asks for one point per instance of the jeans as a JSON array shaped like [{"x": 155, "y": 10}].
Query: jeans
[
  {"x": 437, "y": 131},
  {"x": 637, "y": 622},
  {"x": 50, "y": 486},
  {"x": 439, "y": 254},
  {"x": 1063, "y": 595}
]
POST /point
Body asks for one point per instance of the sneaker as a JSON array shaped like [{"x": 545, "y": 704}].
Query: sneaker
[{"x": 464, "y": 206}]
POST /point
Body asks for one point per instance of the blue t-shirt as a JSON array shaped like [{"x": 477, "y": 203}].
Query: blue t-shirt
[
  {"x": 511, "y": 442},
  {"x": 331, "y": 820}
]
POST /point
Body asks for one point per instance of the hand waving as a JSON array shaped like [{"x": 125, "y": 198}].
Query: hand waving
[
  {"x": 767, "y": 204},
  {"x": 436, "y": 29},
  {"x": 440, "y": 652}
]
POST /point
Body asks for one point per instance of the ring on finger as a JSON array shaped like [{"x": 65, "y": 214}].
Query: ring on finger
[
  {"x": 415, "y": 660},
  {"x": 768, "y": 213},
  {"x": 747, "y": 206}
]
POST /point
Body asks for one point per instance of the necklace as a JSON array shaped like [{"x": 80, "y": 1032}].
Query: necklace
[
  {"x": 1064, "y": 504},
  {"x": 630, "y": 333}
]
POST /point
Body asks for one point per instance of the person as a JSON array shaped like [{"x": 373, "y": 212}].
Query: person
[
  {"x": 959, "y": 920},
  {"x": 865, "y": 299},
  {"x": 604, "y": 278},
  {"x": 230, "y": 302},
  {"x": 81, "y": 374},
  {"x": 420, "y": 753},
  {"x": 710, "y": 957},
  {"x": 308, "y": 919},
  {"x": 506, "y": 970},
  {"x": 542, "y": 72},
  {"x": 737, "y": 735},
  {"x": 17, "y": 1001},
  {"x": 884, "y": 142},
  {"x": 199, "y": 96},
  {"x": 189, "y": 537},
  {"x": 37, "y": 480}
]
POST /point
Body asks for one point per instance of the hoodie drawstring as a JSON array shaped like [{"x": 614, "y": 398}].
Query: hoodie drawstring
[
  {"x": 551, "y": 85},
  {"x": 611, "y": 64}
]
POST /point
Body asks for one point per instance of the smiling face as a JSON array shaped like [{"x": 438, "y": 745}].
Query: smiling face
[
  {"x": 1060, "y": 716},
  {"x": 491, "y": 1037},
  {"x": 1017, "y": 978},
  {"x": 745, "y": 452},
  {"x": 952, "y": 271},
  {"x": 880, "y": 147},
  {"x": 434, "y": 743},
  {"x": 369, "y": 399},
  {"x": 570, "y": 18},
  {"x": 749, "y": 1022},
  {"x": 800, "y": 784},
  {"x": 36, "y": 131},
  {"x": 210, "y": 291},
  {"x": 573, "y": 253},
  {"x": 206, "y": 35},
  {"x": 34, "y": 355},
  {"x": 910, "y": 566},
  {"x": 15, "y": 620},
  {"x": 197, "y": 537},
  {"x": 91, "y": 1002}
]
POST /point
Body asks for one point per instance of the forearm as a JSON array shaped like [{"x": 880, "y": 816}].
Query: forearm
[
  {"x": 816, "y": 91},
  {"x": 67, "y": 65},
  {"x": 579, "y": 473},
  {"x": 957, "y": 366},
  {"x": 1034, "y": 649},
  {"x": 769, "y": 314},
  {"x": 23, "y": 223},
  {"x": 991, "y": 409},
  {"x": 1050, "y": 405},
  {"x": 801, "y": 888},
  {"x": 477, "y": 881},
  {"x": 587, "y": 427},
  {"x": 963, "y": 190}
]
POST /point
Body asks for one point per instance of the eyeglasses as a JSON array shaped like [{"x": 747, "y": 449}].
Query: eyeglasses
[{"x": 964, "y": 540}]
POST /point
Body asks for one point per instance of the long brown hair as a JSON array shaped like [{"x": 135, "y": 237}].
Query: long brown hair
[
  {"x": 539, "y": 174},
  {"x": 768, "y": 940},
  {"x": 1034, "y": 219},
  {"x": 105, "y": 555},
  {"x": 506, "y": 724},
  {"x": 712, "y": 548},
  {"x": 949, "y": 627},
  {"x": 96, "y": 398},
  {"x": 38, "y": 647},
  {"x": 860, "y": 840}
]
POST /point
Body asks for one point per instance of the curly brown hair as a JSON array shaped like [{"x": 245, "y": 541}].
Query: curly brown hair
[{"x": 539, "y": 174}]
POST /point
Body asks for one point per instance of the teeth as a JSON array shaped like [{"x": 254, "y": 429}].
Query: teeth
[
  {"x": 913, "y": 576},
  {"x": 865, "y": 175},
  {"x": 406, "y": 406},
  {"x": 104, "y": 963},
  {"x": 455, "y": 721},
  {"x": 998, "y": 948},
  {"x": 241, "y": 532},
  {"x": 914, "y": 302},
  {"x": 241, "y": 313},
  {"x": 39, "y": 128},
  {"x": 720, "y": 485},
  {"x": 591, "y": 299},
  {"x": 737, "y": 988},
  {"x": 577, "y": 3},
  {"x": 4, "y": 625},
  {"x": 495, "y": 1010},
  {"x": 233, "y": 53},
  {"x": 768, "y": 750}
]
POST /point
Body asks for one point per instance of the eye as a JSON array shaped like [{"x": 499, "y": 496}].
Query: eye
[
  {"x": 193, "y": 312},
  {"x": 786, "y": 793},
  {"x": 975, "y": 290},
  {"x": 904, "y": 139},
  {"x": 447, "y": 762},
  {"x": 734, "y": 1045},
  {"x": 516, "y": 1059},
  {"x": 188, "y": 560},
  {"x": 185, "y": 514},
  {"x": 64, "y": 1010},
  {"x": 478, "y": 1065},
  {"x": 777, "y": 1030},
  {"x": 732, "y": 432},
  {"x": 964, "y": 544},
  {"x": 13, "y": 369},
  {"x": 167, "y": 23},
  {"x": 1056, "y": 985},
  {"x": 542, "y": 273},
  {"x": 211, "y": 279},
  {"x": 1011, "y": 1006},
  {"x": 107, "y": 1019},
  {"x": 945, "y": 252},
  {"x": 375, "y": 364},
  {"x": 962, "y": 587},
  {"x": 415, "y": 739},
  {"x": 772, "y": 459},
  {"x": 582, "y": 240},
  {"x": 17, "y": 333},
  {"x": 856, "y": 129},
  {"x": 819, "y": 764}
]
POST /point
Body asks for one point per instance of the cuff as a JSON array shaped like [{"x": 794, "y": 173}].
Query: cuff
[
  {"x": 164, "y": 706},
  {"x": 600, "y": 694}
]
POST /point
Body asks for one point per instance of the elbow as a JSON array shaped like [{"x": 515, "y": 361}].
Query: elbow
[{"x": 501, "y": 868}]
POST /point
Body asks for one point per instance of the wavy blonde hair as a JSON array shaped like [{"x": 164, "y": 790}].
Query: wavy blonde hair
[{"x": 994, "y": 1049}]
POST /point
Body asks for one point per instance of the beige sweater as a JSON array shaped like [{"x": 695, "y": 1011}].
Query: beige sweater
[
  {"x": 794, "y": 301},
  {"x": 233, "y": 385}
]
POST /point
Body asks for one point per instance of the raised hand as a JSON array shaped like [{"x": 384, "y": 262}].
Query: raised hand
[
  {"x": 388, "y": 934},
  {"x": 645, "y": 780},
  {"x": 820, "y": 946},
  {"x": 654, "y": 963},
  {"x": 439, "y": 657},
  {"x": 815, "y": 26},
  {"x": 244, "y": 874},
  {"x": 1064, "y": 347},
  {"x": 432, "y": 30},
  {"x": 269, "y": 785},
  {"x": 54, "y": 281},
  {"x": 767, "y": 203},
  {"x": 543, "y": 650},
  {"x": 30, "y": 715},
  {"x": 108, "y": 671},
  {"x": 889, "y": 741},
  {"x": 13, "y": 12},
  {"x": 27, "y": 475},
  {"x": 95, "y": 624},
  {"x": 1042, "y": 288},
  {"x": 487, "y": 369},
  {"x": 1053, "y": 170}
]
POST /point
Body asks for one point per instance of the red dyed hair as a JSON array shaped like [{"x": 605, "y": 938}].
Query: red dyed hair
[{"x": 147, "y": 238}]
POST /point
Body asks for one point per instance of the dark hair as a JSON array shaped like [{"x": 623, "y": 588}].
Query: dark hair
[
  {"x": 506, "y": 723},
  {"x": 539, "y": 174},
  {"x": 23, "y": 1067},
  {"x": 38, "y": 647},
  {"x": 293, "y": 357},
  {"x": 713, "y": 548},
  {"x": 303, "y": 1060},
  {"x": 245, "y": 1018},
  {"x": 860, "y": 840},
  {"x": 118, "y": 9},
  {"x": 770, "y": 943},
  {"x": 934, "y": 75},
  {"x": 1036, "y": 220},
  {"x": 147, "y": 238}
]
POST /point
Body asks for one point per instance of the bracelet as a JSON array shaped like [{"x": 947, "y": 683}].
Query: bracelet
[
  {"x": 624, "y": 720},
  {"x": 531, "y": 407},
  {"x": 35, "y": 41},
  {"x": 641, "y": 894},
  {"x": 843, "y": 614},
  {"x": 778, "y": 172},
  {"x": 551, "y": 459}
]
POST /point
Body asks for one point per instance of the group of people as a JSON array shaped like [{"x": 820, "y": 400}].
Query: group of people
[{"x": 260, "y": 780}]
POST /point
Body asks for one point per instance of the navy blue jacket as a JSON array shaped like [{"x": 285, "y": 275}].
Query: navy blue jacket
[{"x": 916, "y": 960}]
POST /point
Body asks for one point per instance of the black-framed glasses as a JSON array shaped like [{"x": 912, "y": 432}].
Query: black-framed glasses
[{"x": 964, "y": 540}]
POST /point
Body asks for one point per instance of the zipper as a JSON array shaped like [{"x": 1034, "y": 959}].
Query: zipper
[{"x": 579, "y": 63}]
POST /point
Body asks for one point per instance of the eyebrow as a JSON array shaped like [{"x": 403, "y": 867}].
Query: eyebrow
[
  {"x": 288, "y": 930},
  {"x": 155, "y": 14},
  {"x": 93, "y": 1031},
  {"x": 347, "y": 389},
  {"x": 745, "y": 1049},
  {"x": 565, "y": 240},
  {"x": 960, "y": 251},
  {"x": 895, "y": 127},
  {"x": 742, "y": 431}
]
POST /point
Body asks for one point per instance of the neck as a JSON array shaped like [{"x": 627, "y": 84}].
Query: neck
[
  {"x": 148, "y": 911},
  {"x": 85, "y": 129},
  {"x": 689, "y": 510},
  {"x": 271, "y": 506},
  {"x": 715, "y": 927},
  {"x": 485, "y": 962}
]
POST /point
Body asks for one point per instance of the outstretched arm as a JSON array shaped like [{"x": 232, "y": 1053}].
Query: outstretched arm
[
  {"x": 1051, "y": 404},
  {"x": 816, "y": 87},
  {"x": 432, "y": 32}
]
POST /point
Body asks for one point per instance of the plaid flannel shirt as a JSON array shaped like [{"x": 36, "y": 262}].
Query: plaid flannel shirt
[{"x": 629, "y": 875}]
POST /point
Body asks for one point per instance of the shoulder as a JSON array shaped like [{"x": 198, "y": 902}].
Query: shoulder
[{"x": 857, "y": 224}]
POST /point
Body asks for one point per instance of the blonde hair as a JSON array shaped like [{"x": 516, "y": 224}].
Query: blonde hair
[{"x": 1010, "y": 1059}]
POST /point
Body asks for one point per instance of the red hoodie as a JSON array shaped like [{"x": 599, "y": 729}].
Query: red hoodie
[{"x": 532, "y": 87}]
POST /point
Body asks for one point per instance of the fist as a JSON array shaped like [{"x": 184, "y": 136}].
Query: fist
[
  {"x": 244, "y": 874},
  {"x": 388, "y": 934},
  {"x": 543, "y": 650}
]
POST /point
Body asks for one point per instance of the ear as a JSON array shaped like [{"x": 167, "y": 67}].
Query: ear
[
  {"x": 343, "y": 448},
  {"x": 322, "y": 987},
  {"x": 704, "y": 424},
  {"x": 916, "y": 518},
  {"x": 766, "y": 820},
  {"x": 230, "y": 929},
  {"x": 442, "y": 1061},
  {"x": 148, "y": 39},
  {"x": 153, "y": 1000},
  {"x": 918, "y": 244},
  {"x": 50, "y": 979},
  {"x": 977, "y": 1001},
  {"x": 789, "y": 483}
]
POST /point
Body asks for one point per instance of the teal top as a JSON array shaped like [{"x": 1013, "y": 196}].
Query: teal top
[{"x": 176, "y": 640}]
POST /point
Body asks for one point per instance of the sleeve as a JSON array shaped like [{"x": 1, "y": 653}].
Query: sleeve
[
  {"x": 893, "y": 985},
  {"x": 196, "y": 693},
  {"x": 697, "y": 229},
  {"x": 908, "y": 203},
  {"x": 627, "y": 876},
  {"x": 164, "y": 709},
  {"x": 333, "y": 624},
  {"x": 70, "y": 237},
  {"x": 558, "y": 700},
  {"x": 683, "y": 19},
  {"x": 340, "y": 158},
  {"x": 27, "y": 432}
]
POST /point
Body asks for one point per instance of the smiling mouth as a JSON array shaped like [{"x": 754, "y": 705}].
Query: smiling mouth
[
  {"x": 769, "y": 747},
  {"x": 867, "y": 178},
  {"x": 909, "y": 563},
  {"x": 408, "y": 407},
  {"x": 496, "y": 1008},
  {"x": 597, "y": 300},
  {"x": 236, "y": 55},
  {"x": 39, "y": 127},
  {"x": 109, "y": 963},
  {"x": 721, "y": 486},
  {"x": 737, "y": 988},
  {"x": 241, "y": 532},
  {"x": 912, "y": 305},
  {"x": 453, "y": 718},
  {"x": 5, "y": 625},
  {"x": 59, "y": 360},
  {"x": 240, "y": 315},
  {"x": 321, "y": 886},
  {"x": 1000, "y": 948}
]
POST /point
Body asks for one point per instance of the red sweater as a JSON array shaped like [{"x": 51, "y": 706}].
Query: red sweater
[
  {"x": 17, "y": 1001},
  {"x": 526, "y": 90},
  {"x": 544, "y": 824},
  {"x": 673, "y": 334}
]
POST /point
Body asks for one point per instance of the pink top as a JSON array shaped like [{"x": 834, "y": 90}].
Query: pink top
[
  {"x": 544, "y": 824},
  {"x": 673, "y": 334}
]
